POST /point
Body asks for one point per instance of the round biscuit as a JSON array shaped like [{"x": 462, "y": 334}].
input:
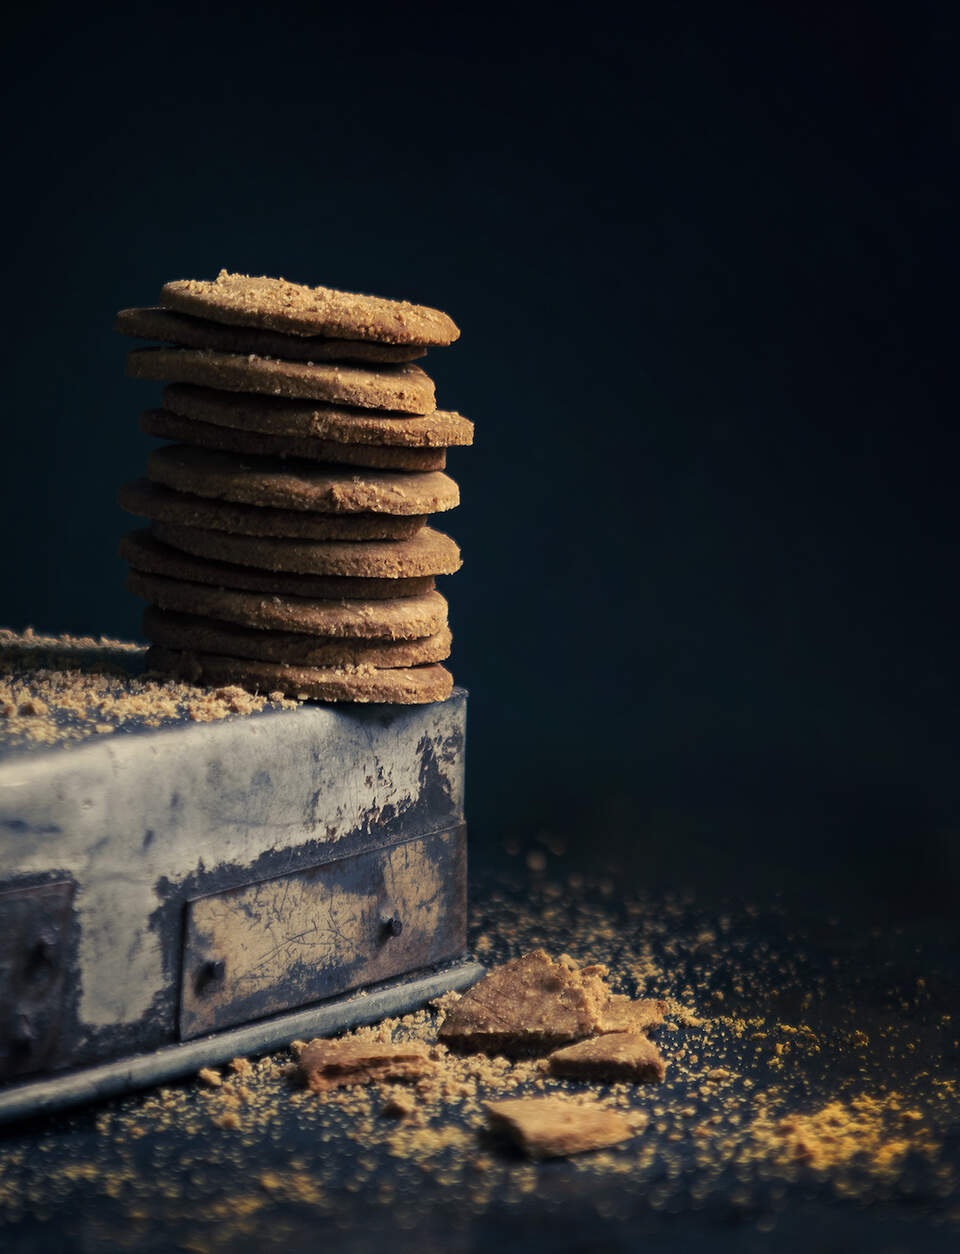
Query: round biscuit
[
  {"x": 298, "y": 485},
  {"x": 277, "y": 415},
  {"x": 398, "y": 618},
  {"x": 404, "y": 387},
  {"x": 170, "y": 426},
  {"x": 295, "y": 308},
  {"x": 410, "y": 685},
  {"x": 156, "y": 323},
  {"x": 428, "y": 552},
  {"x": 145, "y": 552},
  {"x": 162, "y": 504},
  {"x": 207, "y": 635}
]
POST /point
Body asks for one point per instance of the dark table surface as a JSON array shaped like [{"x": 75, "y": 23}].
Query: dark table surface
[{"x": 812, "y": 1014}]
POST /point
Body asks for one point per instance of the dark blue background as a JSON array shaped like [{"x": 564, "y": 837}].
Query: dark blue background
[{"x": 705, "y": 269}]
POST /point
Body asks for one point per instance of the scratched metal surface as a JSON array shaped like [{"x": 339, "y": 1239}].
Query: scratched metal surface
[
  {"x": 145, "y": 819},
  {"x": 873, "y": 1006},
  {"x": 275, "y": 945},
  {"x": 34, "y": 928}
]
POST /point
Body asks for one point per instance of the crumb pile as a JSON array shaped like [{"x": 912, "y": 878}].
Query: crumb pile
[
  {"x": 58, "y": 690},
  {"x": 803, "y": 1090},
  {"x": 288, "y": 547}
]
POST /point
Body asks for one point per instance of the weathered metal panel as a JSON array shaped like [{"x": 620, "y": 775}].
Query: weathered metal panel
[
  {"x": 40, "y": 1096},
  {"x": 148, "y": 819},
  {"x": 34, "y": 925},
  {"x": 277, "y": 944}
]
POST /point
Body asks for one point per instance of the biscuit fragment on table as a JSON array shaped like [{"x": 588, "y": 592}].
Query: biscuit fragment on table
[
  {"x": 614, "y": 1058},
  {"x": 327, "y": 1065},
  {"x": 555, "y": 1127},
  {"x": 533, "y": 1005},
  {"x": 625, "y": 1014},
  {"x": 528, "y": 1006}
]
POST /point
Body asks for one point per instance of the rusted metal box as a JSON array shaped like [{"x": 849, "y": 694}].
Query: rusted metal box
[{"x": 171, "y": 896}]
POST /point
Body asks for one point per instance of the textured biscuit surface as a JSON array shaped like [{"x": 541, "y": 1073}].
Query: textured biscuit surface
[
  {"x": 529, "y": 1005},
  {"x": 404, "y": 387},
  {"x": 403, "y": 618},
  {"x": 555, "y": 1127},
  {"x": 623, "y": 1014},
  {"x": 170, "y": 426},
  {"x": 428, "y": 552},
  {"x": 156, "y": 323},
  {"x": 206, "y": 635},
  {"x": 326, "y": 1064},
  {"x": 411, "y": 685},
  {"x": 533, "y": 1004},
  {"x": 153, "y": 500},
  {"x": 617, "y": 1058},
  {"x": 299, "y": 485},
  {"x": 285, "y": 552},
  {"x": 277, "y": 415},
  {"x": 145, "y": 552},
  {"x": 260, "y": 301}
]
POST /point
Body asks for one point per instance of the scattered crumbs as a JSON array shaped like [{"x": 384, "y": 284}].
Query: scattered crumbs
[
  {"x": 57, "y": 690},
  {"x": 226, "y": 1119},
  {"x": 876, "y": 1130},
  {"x": 845, "y": 1110}
]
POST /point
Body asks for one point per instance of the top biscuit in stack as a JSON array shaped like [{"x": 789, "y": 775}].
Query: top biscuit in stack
[{"x": 288, "y": 549}]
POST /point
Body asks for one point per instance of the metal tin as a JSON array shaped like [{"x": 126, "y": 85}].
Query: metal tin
[{"x": 276, "y": 944}]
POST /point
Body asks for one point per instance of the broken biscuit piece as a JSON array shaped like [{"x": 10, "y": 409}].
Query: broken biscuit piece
[
  {"x": 555, "y": 1127},
  {"x": 613, "y": 1058},
  {"x": 528, "y": 1006},
  {"x": 533, "y": 1004},
  {"x": 329, "y": 1065},
  {"x": 623, "y": 1014}
]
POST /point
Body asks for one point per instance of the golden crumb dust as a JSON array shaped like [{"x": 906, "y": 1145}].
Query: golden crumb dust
[
  {"x": 877, "y": 1131},
  {"x": 845, "y": 1113},
  {"x": 61, "y": 689}
]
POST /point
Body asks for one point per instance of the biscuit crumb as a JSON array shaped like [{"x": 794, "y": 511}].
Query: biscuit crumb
[
  {"x": 33, "y": 706},
  {"x": 853, "y": 1112},
  {"x": 59, "y": 690},
  {"x": 398, "y": 1106}
]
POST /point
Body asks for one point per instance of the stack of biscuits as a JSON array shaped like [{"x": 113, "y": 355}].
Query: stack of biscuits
[{"x": 288, "y": 549}]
